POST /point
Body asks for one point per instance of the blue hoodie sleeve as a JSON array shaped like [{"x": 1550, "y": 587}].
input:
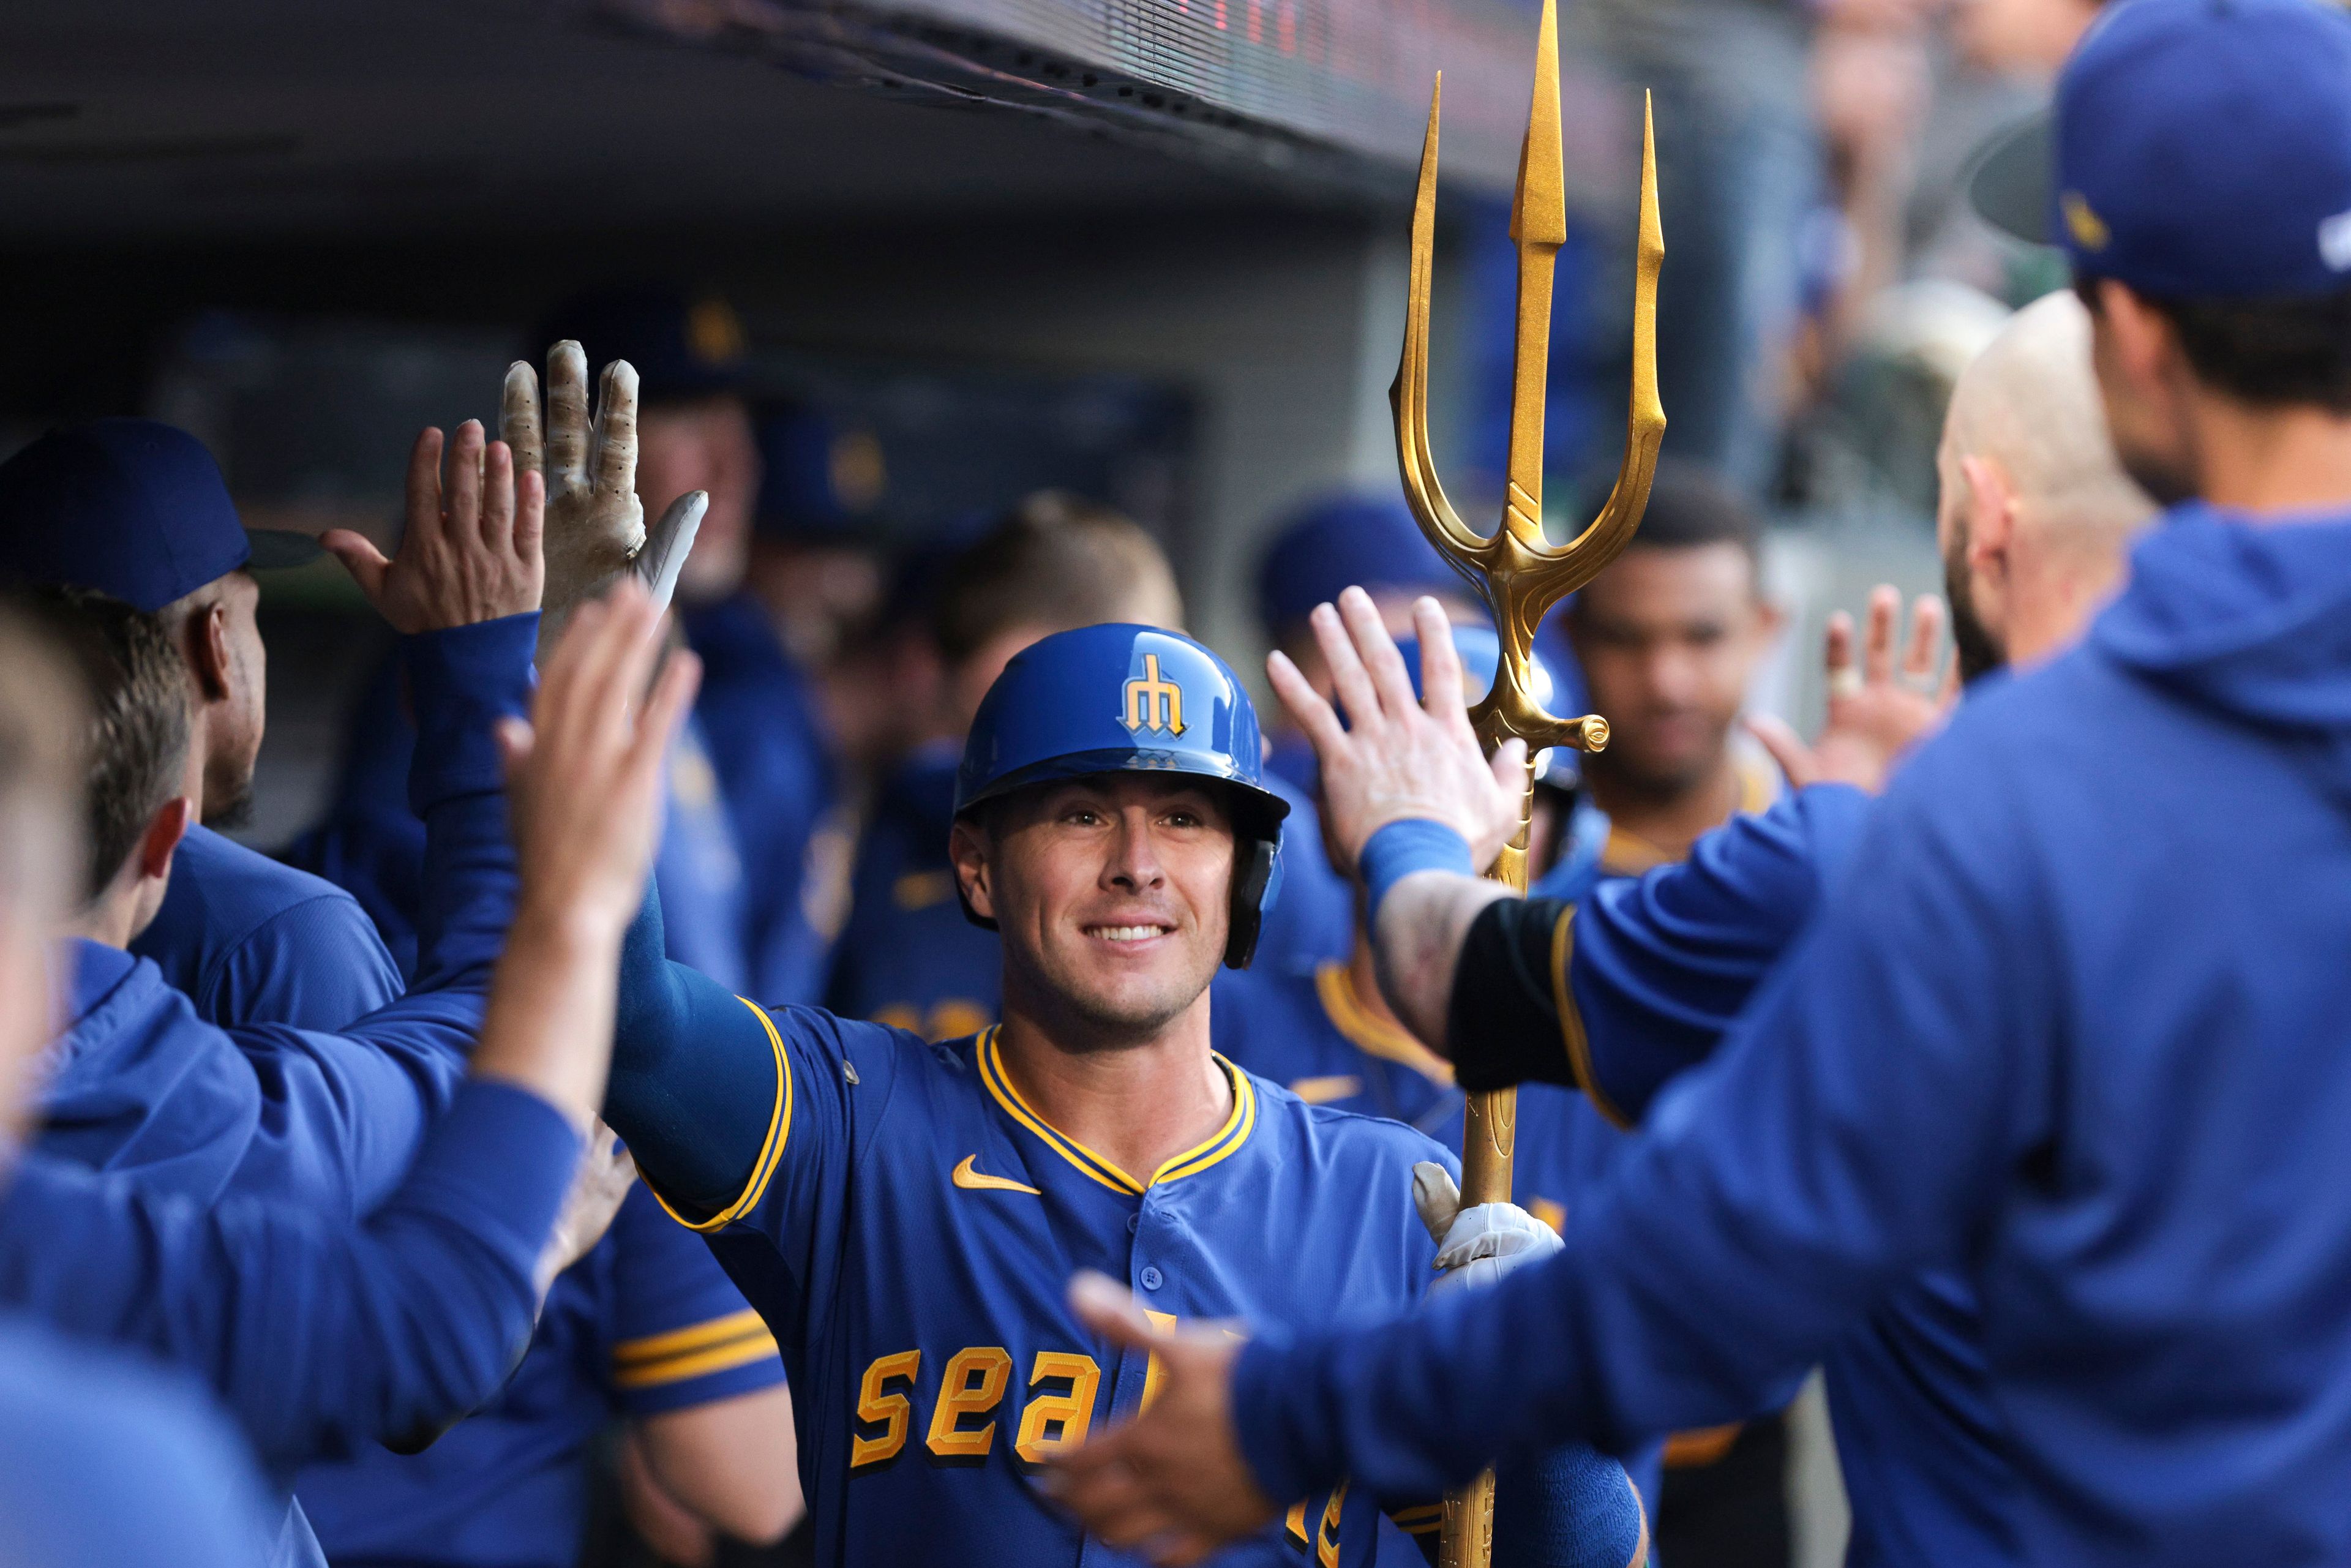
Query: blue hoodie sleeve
[
  {"x": 353, "y": 1106},
  {"x": 1853, "y": 1128},
  {"x": 315, "y": 1333},
  {"x": 1641, "y": 978}
]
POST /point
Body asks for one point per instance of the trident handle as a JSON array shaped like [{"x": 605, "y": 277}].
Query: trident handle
[{"x": 1517, "y": 574}]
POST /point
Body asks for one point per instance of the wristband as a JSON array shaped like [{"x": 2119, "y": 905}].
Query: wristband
[{"x": 1401, "y": 849}]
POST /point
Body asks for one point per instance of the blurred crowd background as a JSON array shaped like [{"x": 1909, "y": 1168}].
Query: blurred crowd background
[{"x": 304, "y": 236}]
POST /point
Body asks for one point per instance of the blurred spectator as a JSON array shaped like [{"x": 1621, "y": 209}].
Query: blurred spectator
[
  {"x": 1750, "y": 95},
  {"x": 2027, "y": 38}
]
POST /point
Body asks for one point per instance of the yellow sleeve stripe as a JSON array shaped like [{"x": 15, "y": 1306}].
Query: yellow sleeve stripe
[
  {"x": 742, "y": 1350},
  {"x": 779, "y": 1130},
  {"x": 1571, "y": 1021},
  {"x": 1421, "y": 1514},
  {"x": 677, "y": 1341}
]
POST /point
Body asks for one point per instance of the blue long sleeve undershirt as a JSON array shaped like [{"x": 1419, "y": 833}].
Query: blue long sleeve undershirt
[{"x": 693, "y": 1079}]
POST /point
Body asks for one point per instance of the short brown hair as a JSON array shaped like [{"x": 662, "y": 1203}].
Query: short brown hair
[
  {"x": 2268, "y": 354},
  {"x": 1054, "y": 561},
  {"x": 137, "y": 748},
  {"x": 43, "y": 723}
]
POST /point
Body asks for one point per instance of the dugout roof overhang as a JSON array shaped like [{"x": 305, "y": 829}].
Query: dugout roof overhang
[{"x": 128, "y": 120}]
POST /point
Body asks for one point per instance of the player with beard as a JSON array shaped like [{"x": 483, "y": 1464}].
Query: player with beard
[{"x": 2072, "y": 1019}]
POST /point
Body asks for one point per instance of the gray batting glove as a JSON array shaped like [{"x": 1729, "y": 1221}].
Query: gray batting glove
[
  {"x": 1476, "y": 1246},
  {"x": 595, "y": 525}
]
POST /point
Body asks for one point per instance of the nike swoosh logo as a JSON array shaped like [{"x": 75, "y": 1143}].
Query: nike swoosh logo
[{"x": 971, "y": 1180}]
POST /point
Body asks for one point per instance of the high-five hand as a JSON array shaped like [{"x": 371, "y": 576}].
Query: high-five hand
[
  {"x": 1170, "y": 1482},
  {"x": 1875, "y": 713},
  {"x": 1398, "y": 757},
  {"x": 595, "y": 524},
  {"x": 471, "y": 549}
]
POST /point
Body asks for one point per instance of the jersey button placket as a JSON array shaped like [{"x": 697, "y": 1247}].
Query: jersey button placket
[{"x": 1150, "y": 1278}]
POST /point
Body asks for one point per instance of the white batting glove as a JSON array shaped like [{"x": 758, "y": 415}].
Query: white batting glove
[
  {"x": 595, "y": 524},
  {"x": 1479, "y": 1245}
]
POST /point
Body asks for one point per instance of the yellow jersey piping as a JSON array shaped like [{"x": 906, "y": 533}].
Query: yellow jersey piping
[
  {"x": 1335, "y": 988},
  {"x": 720, "y": 1346},
  {"x": 771, "y": 1153},
  {"x": 653, "y": 1347},
  {"x": 1234, "y": 1131},
  {"x": 1570, "y": 1021}
]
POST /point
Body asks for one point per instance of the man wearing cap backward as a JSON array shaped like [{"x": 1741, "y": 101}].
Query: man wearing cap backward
[
  {"x": 904, "y": 1214},
  {"x": 2074, "y": 1020}
]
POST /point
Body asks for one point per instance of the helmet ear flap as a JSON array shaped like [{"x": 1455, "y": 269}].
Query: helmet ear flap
[{"x": 1257, "y": 866}]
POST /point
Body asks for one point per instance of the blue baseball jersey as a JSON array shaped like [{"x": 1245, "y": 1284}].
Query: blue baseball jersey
[
  {"x": 780, "y": 782},
  {"x": 908, "y": 956},
  {"x": 909, "y": 1230},
  {"x": 105, "y": 1463},
  {"x": 1306, "y": 1028},
  {"x": 507, "y": 1486},
  {"x": 252, "y": 940},
  {"x": 700, "y": 867},
  {"x": 644, "y": 1323}
]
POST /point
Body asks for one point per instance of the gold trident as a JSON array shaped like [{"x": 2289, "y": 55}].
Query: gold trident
[{"x": 1516, "y": 572}]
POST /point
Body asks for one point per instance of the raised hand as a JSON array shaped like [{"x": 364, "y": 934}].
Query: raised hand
[
  {"x": 1875, "y": 714},
  {"x": 596, "y": 530},
  {"x": 1398, "y": 758},
  {"x": 471, "y": 549}
]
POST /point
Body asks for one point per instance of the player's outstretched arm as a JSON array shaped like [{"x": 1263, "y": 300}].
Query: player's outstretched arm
[
  {"x": 464, "y": 589},
  {"x": 315, "y": 1331},
  {"x": 694, "y": 1090},
  {"x": 1412, "y": 806}
]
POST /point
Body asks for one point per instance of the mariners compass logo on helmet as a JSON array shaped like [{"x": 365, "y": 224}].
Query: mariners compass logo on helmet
[
  {"x": 1132, "y": 699},
  {"x": 1153, "y": 703}
]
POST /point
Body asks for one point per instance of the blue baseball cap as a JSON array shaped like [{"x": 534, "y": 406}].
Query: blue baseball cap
[
  {"x": 131, "y": 507},
  {"x": 1369, "y": 541},
  {"x": 2198, "y": 149},
  {"x": 820, "y": 478},
  {"x": 681, "y": 346}
]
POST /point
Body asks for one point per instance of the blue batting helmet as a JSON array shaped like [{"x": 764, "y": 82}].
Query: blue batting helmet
[{"x": 1121, "y": 698}]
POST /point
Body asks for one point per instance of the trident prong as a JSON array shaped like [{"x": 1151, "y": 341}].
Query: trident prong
[{"x": 1517, "y": 573}]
